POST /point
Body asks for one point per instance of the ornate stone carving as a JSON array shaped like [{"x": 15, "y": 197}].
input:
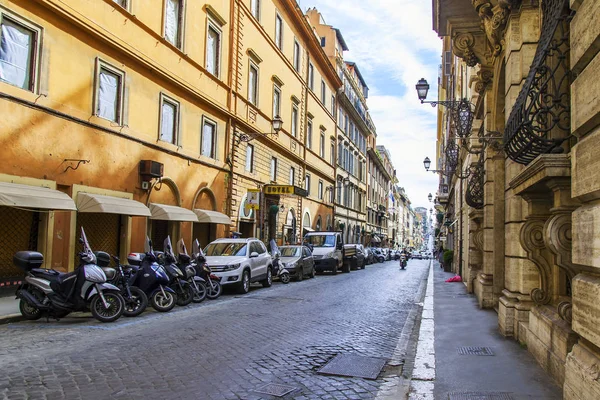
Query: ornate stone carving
[
  {"x": 565, "y": 311},
  {"x": 464, "y": 44},
  {"x": 483, "y": 80},
  {"x": 494, "y": 20},
  {"x": 532, "y": 240}
]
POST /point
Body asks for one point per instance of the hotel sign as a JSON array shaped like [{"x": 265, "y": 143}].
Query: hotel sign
[{"x": 285, "y": 189}]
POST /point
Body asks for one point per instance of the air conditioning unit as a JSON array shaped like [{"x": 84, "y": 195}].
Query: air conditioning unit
[{"x": 151, "y": 169}]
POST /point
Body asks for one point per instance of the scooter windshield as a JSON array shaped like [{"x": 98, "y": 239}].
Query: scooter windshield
[
  {"x": 181, "y": 249},
  {"x": 87, "y": 255},
  {"x": 274, "y": 249}
]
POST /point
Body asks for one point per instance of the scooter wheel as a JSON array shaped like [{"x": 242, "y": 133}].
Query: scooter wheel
[
  {"x": 163, "y": 303},
  {"x": 116, "y": 306},
  {"x": 285, "y": 278},
  {"x": 136, "y": 304}
]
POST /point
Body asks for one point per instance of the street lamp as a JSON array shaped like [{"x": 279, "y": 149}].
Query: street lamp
[
  {"x": 276, "y": 125},
  {"x": 427, "y": 163},
  {"x": 430, "y": 197},
  {"x": 422, "y": 89}
]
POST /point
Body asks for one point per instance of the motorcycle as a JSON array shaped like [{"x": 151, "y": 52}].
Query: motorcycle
[
  {"x": 279, "y": 271},
  {"x": 403, "y": 261},
  {"x": 136, "y": 300},
  {"x": 56, "y": 294},
  {"x": 213, "y": 282},
  {"x": 197, "y": 283},
  {"x": 177, "y": 280},
  {"x": 152, "y": 278}
]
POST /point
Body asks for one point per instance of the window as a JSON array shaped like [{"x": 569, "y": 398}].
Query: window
[
  {"x": 273, "y": 169},
  {"x": 174, "y": 22},
  {"x": 122, "y": 3},
  {"x": 169, "y": 119},
  {"x": 208, "y": 142},
  {"x": 332, "y": 153},
  {"x": 279, "y": 31},
  {"x": 276, "y": 101},
  {"x": 333, "y": 106},
  {"x": 323, "y": 92},
  {"x": 307, "y": 184},
  {"x": 323, "y": 42},
  {"x": 213, "y": 50},
  {"x": 296, "y": 56},
  {"x": 109, "y": 92},
  {"x": 311, "y": 77},
  {"x": 250, "y": 158},
  {"x": 320, "y": 190},
  {"x": 309, "y": 129},
  {"x": 253, "y": 84},
  {"x": 255, "y": 8},
  {"x": 322, "y": 145},
  {"x": 295, "y": 120},
  {"x": 339, "y": 192},
  {"x": 19, "y": 49},
  {"x": 341, "y": 117},
  {"x": 340, "y": 153},
  {"x": 292, "y": 176}
]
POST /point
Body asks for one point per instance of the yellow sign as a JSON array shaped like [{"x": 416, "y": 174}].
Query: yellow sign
[
  {"x": 279, "y": 189},
  {"x": 253, "y": 199}
]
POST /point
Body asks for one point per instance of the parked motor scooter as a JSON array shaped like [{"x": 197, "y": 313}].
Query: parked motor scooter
[
  {"x": 56, "y": 294},
  {"x": 152, "y": 278},
  {"x": 177, "y": 280},
  {"x": 213, "y": 282},
  {"x": 136, "y": 300},
  {"x": 279, "y": 271},
  {"x": 186, "y": 264}
]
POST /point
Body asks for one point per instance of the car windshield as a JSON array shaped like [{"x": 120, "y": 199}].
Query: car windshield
[
  {"x": 290, "y": 251},
  {"x": 226, "y": 249},
  {"x": 320, "y": 240}
]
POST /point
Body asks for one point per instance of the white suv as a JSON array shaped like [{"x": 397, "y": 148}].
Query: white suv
[{"x": 239, "y": 262}]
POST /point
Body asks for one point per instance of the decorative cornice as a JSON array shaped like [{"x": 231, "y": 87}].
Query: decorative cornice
[{"x": 543, "y": 168}]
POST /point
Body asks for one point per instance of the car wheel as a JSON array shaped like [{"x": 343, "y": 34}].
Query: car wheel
[
  {"x": 269, "y": 280},
  {"x": 244, "y": 285},
  {"x": 300, "y": 274},
  {"x": 312, "y": 273}
]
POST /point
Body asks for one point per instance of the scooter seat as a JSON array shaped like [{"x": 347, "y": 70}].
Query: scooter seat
[{"x": 48, "y": 274}]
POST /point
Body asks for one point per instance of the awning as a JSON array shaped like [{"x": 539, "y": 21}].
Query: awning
[
  {"x": 97, "y": 203},
  {"x": 375, "y": 239},
  {"x": 172, "y": 213},
  {"x": 212, "y": 217},
  {"x": 26, "y": 196},
  {"x": 308, "y": 229}
]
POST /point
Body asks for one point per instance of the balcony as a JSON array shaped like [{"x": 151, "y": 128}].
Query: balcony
[{"x": 448, "y": 13}]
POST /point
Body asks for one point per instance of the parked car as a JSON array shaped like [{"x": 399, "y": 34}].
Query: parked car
[
  {"x": 327, "y": 249},
  {"x": 298, "y": 260},
  {"x": 378, "y": 255},
  {"x": 416, "y": 255},
  {"x": 354, "y": 256},
  {"x": 238, "y": 262}
]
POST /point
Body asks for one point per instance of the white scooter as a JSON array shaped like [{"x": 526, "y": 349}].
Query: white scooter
[{"x": 278, "y": 268}]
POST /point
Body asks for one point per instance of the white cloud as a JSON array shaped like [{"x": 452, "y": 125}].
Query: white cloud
[{"x": 393, "y": 44}]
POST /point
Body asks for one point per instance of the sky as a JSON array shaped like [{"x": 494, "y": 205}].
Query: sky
[{"x": 393, "y": 44}]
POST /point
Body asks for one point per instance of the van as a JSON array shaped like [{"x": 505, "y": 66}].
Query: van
[{"x": 327, "y": 249}]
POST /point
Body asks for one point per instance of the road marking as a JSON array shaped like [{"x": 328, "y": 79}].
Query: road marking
[{"x": 423, "y": 378}]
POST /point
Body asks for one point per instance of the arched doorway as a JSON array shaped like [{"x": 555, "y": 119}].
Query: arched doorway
[
  {"x": 289, "y": 229},
  {"x": 167, "y": 193},
  {"x": 318, "y": 223},
  {"x": 306, "y": 225},
  {"x": 246, "y": 219},
  {"x": 205, "y": 200}
]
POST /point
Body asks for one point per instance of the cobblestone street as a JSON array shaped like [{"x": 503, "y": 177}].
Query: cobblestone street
[{"x": 222, "y": 349}]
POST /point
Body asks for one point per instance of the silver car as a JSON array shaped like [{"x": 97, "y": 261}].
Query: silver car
[{"x": 298, "y": 260}]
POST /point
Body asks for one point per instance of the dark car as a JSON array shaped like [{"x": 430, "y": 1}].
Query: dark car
[
  {"x": 298, "y": 260},
  {"x": 355, "y": 256}
]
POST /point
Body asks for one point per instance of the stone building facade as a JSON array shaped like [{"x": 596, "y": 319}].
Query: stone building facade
[{"x": 522, "y": 219}]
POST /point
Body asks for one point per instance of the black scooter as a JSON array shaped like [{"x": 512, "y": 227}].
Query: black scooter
[
  {"x": 152, "y": 278},
  {"x": 213, "y": 282},
  {"x": 177, "y": 281},
  {"x": 136, "y": 300},
  {"x": 188, "y": 267}
]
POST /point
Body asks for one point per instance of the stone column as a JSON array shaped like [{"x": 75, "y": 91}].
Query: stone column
[{"x": 475, "y": 248}]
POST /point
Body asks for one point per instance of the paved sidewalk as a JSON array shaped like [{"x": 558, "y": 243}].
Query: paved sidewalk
[
  {"x": 442, "y": 373},
  {"x": 9, "y": 309}
]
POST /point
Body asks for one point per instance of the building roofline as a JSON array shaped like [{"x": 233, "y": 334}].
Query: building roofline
[
  {"x": 340, "y": 38},
  {"x": 362, "y": 80}
]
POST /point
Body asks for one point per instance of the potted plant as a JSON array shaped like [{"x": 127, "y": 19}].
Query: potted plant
[{"x": 447, "y": 259}]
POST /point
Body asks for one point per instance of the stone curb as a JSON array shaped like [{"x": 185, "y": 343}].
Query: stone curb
[{"x": 7, "y": 319}]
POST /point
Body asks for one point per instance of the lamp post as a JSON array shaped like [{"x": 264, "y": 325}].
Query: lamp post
[
  {"x": 276, "y": 125},
  {"x": 430, "y": 197}
]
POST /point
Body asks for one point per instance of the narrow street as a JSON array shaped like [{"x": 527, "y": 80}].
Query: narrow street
[{"x": 223, "y": 349}]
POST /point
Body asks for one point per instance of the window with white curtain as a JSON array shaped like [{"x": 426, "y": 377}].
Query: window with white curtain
[
  {"x": 279, "y": 31},
  {"x": 213, "y": 50},
  {"x": 169, "y": 118},
  {"x": 253, "y": 84},
  {"x": 322, "y": 145},
  {"x": 17, "y": 53},
  {"x": 307, "y": 184},
  {"x": 250, "y": 158},
  {"x": 295, "y": 120},
  {"x": 296, "y": 56},
  {"x": 309, "y": 132},
  {"x": 209, "y": 133},
  {"x": 173, "y": 22},
  {"x": 255, "y": 8},
  {"x": 109, "y": 93},
  {"x": 276, "y": 101},
  {"x": 292, "y": 176},
  {"x": 122, "y": 3}
]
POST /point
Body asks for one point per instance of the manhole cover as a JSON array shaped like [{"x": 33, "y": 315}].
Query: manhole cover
[
  {"x": 275, "y": 389},
  {"x": 475, "y": 351},
  {"x": 354, "y": 365},
  {"x": 479, "y": 396}
]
